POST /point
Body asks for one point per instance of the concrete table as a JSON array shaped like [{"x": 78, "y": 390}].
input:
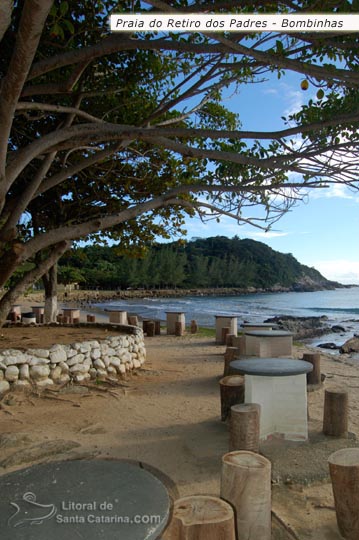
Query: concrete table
[
  {"x": 248, "y": 327},
  {"x": 117, "y": 316},
  {"x": 172, "y": 317},
  {"x": 270, "y": 343},
  {"x": 96, "y": 500},
  {"x": 279, "y": 385},
  {"x": 222, "y": 321},
  {"x": 71, "y": 314}
]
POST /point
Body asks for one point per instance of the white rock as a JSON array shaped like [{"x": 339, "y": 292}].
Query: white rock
[
  {"x": 20, "y": 385},
  {"x": 93, "y": 373},
  {"x": 142, "y": 361},
  {"x": 44, "y": 382},
  {"x": 110, "y": 352},
  {"x": 76, "y": 346},
  {"x": 2, "y": 365},
  {"x": 101, "y": 373},
  {"x": 111, "y": 370},
  {"x": 24, "y": 372},
  {"x": 115, "y": 361},
  {"x": 136, "y": 364},
  {"x": 64, "y": 367},
  {"x": 106, "y": 360},
  {"x": 99, "y": 364},
  {"x": 78, "y": 359},
  {"x": 79, "y": 368},
  {"x": 85, "y": 348},
  {"x": 71, "y": 352},
  {"x": 4, "y": 387},
  {"x": 39, "y": 372},
  {"x": 122, "y": 369},
  {"x": 95, "y": 353},
  {"x": 64, "y": 379},
  {"x": 56, "y": 373},
  {"x": 33, "y": 361},
  {"x": 104, "y": 348},
  {"x": 82, "y": 377},
  {"x": 14, "y": 360},
  {"x": 93, "y": 344},
  {"x": 1, "y": 375},
  {"x": 87, "y": 362},
  {"x": 40, "y": 353},
  {"x": 12, "y": 373},
  {"x": 126, "y": 357},
  {"x": 58, "y": 355}
]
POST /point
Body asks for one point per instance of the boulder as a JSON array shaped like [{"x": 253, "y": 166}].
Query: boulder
[
  {"x": 329, "y": 345},
  {"x": 4, "y": 387},
  {"x": 351, "y": 345}
]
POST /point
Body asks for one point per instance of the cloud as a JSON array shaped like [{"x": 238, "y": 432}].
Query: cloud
[
  {"x": 264, "y": 234},
  {"x": 342, "y": 270}
]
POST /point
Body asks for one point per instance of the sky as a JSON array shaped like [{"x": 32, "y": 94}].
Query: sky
[{"x": 321, "y": 232}]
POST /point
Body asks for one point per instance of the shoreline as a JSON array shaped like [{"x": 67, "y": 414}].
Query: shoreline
[{"x": 97, "y": 296}]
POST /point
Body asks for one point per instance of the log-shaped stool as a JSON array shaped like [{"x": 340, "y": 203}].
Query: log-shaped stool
[
  {"x": 313, "y": 377},
  {"x": 232, "y": 393},
  {"x": 335, "y": 419},
  {"x": 150, "y": 328},
  {"x": 194, "y": 327},
  {"x": 344, "y": 473},
  {"x": 230, "y": 355},
  {"x": 244, "y": 427},
  {"x": 201, "y": 517},
  {"x": 246, "y": 485}
]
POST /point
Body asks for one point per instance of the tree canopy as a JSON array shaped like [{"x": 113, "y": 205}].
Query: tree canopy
[{"x": 122, "y": 135}]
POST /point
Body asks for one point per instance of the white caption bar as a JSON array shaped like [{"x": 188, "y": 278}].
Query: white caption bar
[{"x": 193, "y": 22}]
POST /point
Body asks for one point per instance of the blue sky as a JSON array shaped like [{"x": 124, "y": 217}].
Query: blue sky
[{"x": 323, "y": 232}]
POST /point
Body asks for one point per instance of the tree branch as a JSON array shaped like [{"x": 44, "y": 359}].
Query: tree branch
[
  {"x": 32, "y": 21},
  {"x": 30, "y": 106}
]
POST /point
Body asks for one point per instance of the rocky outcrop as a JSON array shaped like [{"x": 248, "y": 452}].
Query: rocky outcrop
[
  {"x": 350, "y": 346},
  {"x": 302, "y": 327}
]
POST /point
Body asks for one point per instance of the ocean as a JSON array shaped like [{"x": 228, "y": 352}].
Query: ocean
[{"x": 341, "y": 306}]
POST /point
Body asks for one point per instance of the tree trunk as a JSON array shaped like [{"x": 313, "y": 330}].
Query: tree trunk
[
  {"x": 232, "y": 393},
  {"x": 246, "y": 485},
  {"x": 28, "y": 279},
  {"x": 344, "y": 473},
  {"x": 201, "y": 517},
  {"x": 230, "y": 355},
  {"x": 335, "y": 419},
  {"x": 50, "y": 284},
  {"x": 314, "y": 377},
  {"x": 244, "y": 427}
]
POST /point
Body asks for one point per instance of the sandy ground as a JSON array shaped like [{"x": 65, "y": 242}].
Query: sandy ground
[{"x": 168, "y": 415}]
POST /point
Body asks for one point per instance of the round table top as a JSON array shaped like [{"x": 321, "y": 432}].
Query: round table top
[
  {"x": 118, "y": 310},
  {"x": 258, "y": 325},
  {"x": 226, "y": 316},
  {"x": 92, "y": 499},
  {"x": 271, "y": 367},
  {"x": 269, "y": 333}
]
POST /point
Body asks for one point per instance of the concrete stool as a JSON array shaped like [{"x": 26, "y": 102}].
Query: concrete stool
[
  {"x": 173, "y": 317},
  {"x": 117, "y": 316},
  {"x": 223, "y": 321}
]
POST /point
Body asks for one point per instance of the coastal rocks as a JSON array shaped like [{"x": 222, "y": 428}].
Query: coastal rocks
[
  {"x": 351, "y": 345},
  {"x": 79, "y": 362},
  {"x": 302, "y": 327},
  {"x": 329, "y": 345}
]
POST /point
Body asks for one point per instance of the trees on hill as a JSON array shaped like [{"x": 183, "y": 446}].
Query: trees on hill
[
  {"x": 208, "y": 262},
  {"x": 124, "y": 135}
]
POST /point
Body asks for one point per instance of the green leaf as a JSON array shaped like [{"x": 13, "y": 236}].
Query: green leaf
[
  {"x": 64, "y": 7},
  {"x": 69, "y": 26}
]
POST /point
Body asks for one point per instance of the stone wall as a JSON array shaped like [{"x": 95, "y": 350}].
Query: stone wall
[{"x": 79, "y": 362}]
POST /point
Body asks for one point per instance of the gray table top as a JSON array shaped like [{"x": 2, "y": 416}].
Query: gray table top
[
  {"x": 96, "y": 500},
  {"x": 269, "y": 333},
  {"x": 259, "y": 325},
  {"x": 271, "y": 367}
]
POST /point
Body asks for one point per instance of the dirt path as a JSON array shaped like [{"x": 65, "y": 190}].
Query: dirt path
[{"x": 168, "y": 415}]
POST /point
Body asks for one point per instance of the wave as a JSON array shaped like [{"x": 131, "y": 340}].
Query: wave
[{"x": 355, "y": 311}]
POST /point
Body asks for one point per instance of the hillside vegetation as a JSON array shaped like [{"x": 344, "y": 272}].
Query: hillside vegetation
[{"x": 201, "y": 263}]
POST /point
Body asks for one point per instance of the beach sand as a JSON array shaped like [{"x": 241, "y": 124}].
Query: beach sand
[{"x": 168, "y": 415}]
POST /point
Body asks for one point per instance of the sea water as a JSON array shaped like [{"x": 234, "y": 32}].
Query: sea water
[{"x": 340, "y": 306}]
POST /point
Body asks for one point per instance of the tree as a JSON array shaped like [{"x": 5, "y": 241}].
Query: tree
[{"x": 122, "y": 135}]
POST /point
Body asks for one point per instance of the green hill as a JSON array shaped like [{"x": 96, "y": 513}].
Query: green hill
[{"x": 201, "y": 263}]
